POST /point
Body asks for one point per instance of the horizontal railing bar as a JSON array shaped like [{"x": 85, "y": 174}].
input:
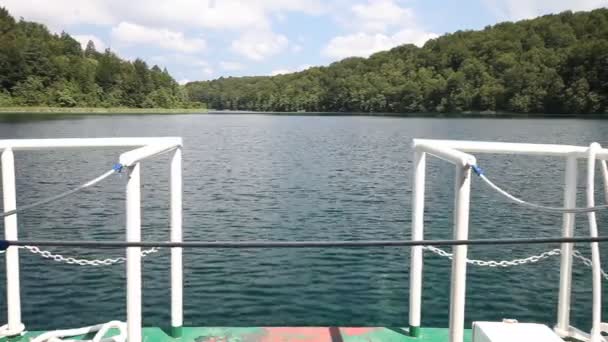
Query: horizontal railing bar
[
  {"x": 299, "y": 244},
  {"x": 446, "y": 153},
  {"x": 135, "y": 156},
  {"x": 513, "y": 148},
  {"x": 45, "y": 144}
]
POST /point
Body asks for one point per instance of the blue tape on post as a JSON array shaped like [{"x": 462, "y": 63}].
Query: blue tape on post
[
  {"x": 117, "y": 167},
  {"x": 477, "y": 170},
  {"x": 4, "y": 245}
]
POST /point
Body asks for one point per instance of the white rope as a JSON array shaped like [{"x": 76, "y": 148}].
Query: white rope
[
  {"x": 538, "y": 206},
  {"x": 61, "y": 195},
  {"x": 100, "y": 329},
  {"x": 5, "y": 332}
]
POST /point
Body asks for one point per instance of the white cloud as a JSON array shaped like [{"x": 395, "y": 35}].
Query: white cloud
[
  {"x": 289, "y": 71},
  {"x": 378, "y": 25},
  {"x": 412, "y": 36},
  {"x": 379, "y": 15},
  {"x": 525, "y": 9},
  {"x": 208, "y": 71},
  {"x": 183, "y": 81},
  {"x": 231, "y": 66},
  {"x": 58, "y": 14},
  {"x": 219, "y": 14},
  {"x": 295, "y": 48},
  {"x": 180, "y": 59},
  {"x": 279, "y": 72},
  {"x": 259, "y": 45},
  {"x": 364, "y": 44},
  {"x": 133, "y": 34},
  {"x": 214, "y": 14},
  {"x": 83, "y": 39}
]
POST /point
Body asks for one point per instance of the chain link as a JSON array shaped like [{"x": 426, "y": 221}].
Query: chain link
[
  {"x": 438, "y": 251},
  {"x": 516, "y": 262},
  {"x": 588, "y": 262},
  {"x": 85, "y": 262},
  {"x": 503, "y": 263}
]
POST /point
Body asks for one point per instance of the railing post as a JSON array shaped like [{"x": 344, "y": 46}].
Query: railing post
[
  {"x": 565, "y": 273},
  {"x": 416, "y": 258},
  {"x": 176, "y": 253},
  {"x": 596, "y": 323},
  {"x": 13, "y": 298},
  {"x": 459, "y": 262},
  {"x": 134, "y": 254}
]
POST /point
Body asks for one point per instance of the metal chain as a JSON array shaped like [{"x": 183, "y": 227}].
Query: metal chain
[
  {"x": 492, "y": 263},
  {"x": 85, "y": 262},
  {"x": 588, "y": 262},
  {"x": 438, "y": 251},
  {"x": 516, "y": 262}
]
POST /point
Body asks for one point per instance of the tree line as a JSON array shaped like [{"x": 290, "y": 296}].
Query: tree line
[
  {"x": 38, "y": 68},
  {"x": 551, "y": 64}
]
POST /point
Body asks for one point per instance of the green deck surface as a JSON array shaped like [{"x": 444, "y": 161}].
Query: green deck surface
[{"x": 283, "y": 334}]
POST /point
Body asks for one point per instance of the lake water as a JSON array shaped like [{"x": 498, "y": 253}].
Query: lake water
[{"x": 258, "y": 177}]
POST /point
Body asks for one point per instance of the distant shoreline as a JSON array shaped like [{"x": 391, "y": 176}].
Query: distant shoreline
[
  {"x": 497, "y": 115},
  {"x": 125, "y": 110},
  {"x": 99, "y": 110}
]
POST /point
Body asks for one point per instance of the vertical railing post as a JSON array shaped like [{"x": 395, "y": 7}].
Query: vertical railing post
[
  {"x": 176, "y": 253},
  {"x": 134, "y": 254},
  {"x": 459, "y": 261},
  {"x": 565, "y": 272},
  {"x": 416, "y": 258},
  {"x": 13, "y": 298}
]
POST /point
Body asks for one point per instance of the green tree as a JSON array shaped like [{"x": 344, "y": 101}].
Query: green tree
[
  {"x": 38, "y": 67},
  {"x": 532, "y": 66},
  {"x": 30, "y": 92},
  {"x": 90, "y": 51}
]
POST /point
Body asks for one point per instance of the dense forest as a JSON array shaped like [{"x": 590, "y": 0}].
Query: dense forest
[
  {"x": 38, "y": 68},
  {"x": 551, "y": 64}
]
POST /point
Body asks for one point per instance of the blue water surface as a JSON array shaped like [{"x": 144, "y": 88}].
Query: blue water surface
[{"x": 264, "y": 177}]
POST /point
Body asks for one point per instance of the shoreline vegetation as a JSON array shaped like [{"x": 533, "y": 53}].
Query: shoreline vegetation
[
  {"x": 551, "y": 64},
  {"x": 98, "y": 110},
  {"x": 39, "y": 68},
  {"x": 169, "y": 111}
]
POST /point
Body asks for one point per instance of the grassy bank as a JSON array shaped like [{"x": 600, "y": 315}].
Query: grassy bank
[{"x": 99, "y": 110}]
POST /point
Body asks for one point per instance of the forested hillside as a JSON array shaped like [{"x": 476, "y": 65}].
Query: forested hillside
[
  {"x": 551, "y": 64},
  {"x": 38, "y": 68}
]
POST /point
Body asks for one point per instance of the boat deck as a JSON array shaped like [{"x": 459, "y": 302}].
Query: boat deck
[{"x": 283, "y": 334}]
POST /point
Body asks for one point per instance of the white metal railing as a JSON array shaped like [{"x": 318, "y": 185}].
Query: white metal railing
[
  {"x": 131, "y": 162},
  {"x": 454, "y": 152},
  {"x": 457, "y": 153}
]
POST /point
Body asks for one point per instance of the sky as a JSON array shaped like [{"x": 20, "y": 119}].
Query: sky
[{"x": 207, "y": 39}]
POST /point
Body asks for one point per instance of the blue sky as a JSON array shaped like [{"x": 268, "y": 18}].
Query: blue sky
[{"x": 206, "y": 39}]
